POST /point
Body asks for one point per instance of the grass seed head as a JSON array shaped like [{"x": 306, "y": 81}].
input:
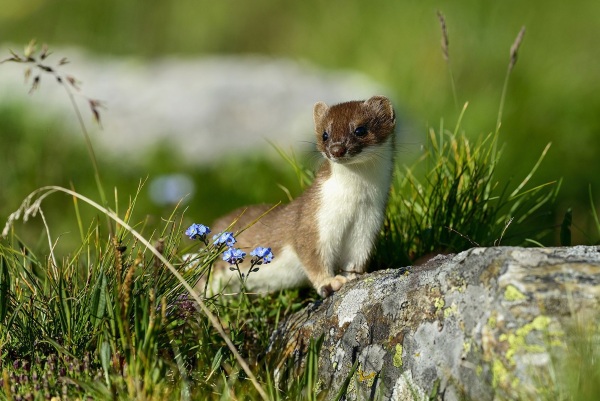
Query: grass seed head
[
  {"x": 514, "y": 49},
  {"x": 445, "y": 40}
]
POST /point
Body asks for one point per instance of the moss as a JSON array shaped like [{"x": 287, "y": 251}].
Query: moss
[
  {"x": 513, "y": 294},
  {"x": 397, "y": 360}
]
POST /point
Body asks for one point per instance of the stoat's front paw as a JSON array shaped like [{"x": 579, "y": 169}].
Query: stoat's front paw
[
  {"x": 352, "y": 272},
  {"x": 350, "y": 275},
  {"x": 331, "y": 285}
]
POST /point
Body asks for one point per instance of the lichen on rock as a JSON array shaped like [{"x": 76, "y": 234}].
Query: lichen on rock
[{"x": 478, "y": 325}]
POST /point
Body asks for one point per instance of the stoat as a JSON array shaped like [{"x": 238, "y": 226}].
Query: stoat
[{"x": 325, "y": 236}]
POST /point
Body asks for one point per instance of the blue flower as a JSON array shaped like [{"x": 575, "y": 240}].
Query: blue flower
[
  {"x": 234, "y": 256},
  {"x": 263, "y": 255},
  {"x": 226, "y": 238},
  {"x": 197, "y": 231}
]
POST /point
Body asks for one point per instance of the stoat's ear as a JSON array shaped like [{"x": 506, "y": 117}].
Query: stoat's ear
[
  {"x": 382, "y": 106},
  {"x": 319, "y": 112}
]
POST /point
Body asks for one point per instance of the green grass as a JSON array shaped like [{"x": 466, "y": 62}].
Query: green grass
[
  {"x": 111, "y": 319},
  {"x": 451, "y": 200}
]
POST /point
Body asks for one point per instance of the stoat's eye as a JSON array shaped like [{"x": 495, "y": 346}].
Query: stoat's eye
[
  {"x": 325, "y": 136},
  {"x": 360, "y": 131}
]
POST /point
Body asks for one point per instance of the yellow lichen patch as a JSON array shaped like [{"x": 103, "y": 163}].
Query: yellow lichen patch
[
  {"x": 513, "y": 294},
  {"x": 502, "y": 377},
  {"x": 319, "y": 386},
  {"x": 492, "y": 320},
  {"x": 466, "y": 347},
  {"x": 516, "y": 341},
  {"x": 500, "y": 374},
  {"x": 439, "y": 303},
  {"x": 459, "y": 284},
  {"x": 451, "y": 310},
  {"x": 366, "y": 377},
  {"x": 397, "y": 360}
]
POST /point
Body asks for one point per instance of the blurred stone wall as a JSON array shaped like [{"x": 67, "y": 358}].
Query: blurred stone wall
[{"x": 203, "y": 107}]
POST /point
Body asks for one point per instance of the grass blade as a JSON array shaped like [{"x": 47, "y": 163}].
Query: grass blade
[
  {"x": 565, "y": 229},
  {"x": 4, "y": 289}
]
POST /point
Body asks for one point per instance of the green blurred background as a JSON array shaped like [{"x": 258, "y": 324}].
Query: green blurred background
[{"x": 553, "y": 95}]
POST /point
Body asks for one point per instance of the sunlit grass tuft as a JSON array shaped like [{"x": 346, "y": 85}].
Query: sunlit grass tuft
[{"x": 450, "y": 200}]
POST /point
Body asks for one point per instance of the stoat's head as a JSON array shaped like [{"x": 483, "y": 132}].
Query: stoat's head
[{"x": 347, "y": 131}]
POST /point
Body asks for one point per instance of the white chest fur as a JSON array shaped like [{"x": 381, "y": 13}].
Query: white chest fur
[{"x": 352, "y": 208}]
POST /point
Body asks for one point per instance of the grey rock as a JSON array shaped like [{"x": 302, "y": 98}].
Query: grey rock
[{"x": 479, "y": 325}]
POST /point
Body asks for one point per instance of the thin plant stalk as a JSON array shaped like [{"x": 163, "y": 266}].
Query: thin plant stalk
[
  {"x": 446, "y": 54},
  {"x": 514, "y": 49},
  {"x": 31, "y": 59}
]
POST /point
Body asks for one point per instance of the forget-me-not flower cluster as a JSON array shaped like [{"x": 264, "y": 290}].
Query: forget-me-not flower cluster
[
  {"x": 197, "y": 231},
  {"x": 262, "y": 255},
  {"x": 231, "y": 255},
  {"x": 226, "y": 238}
]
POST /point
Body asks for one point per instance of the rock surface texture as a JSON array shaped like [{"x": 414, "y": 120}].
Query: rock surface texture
[{"x": 480, "y": 325}]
